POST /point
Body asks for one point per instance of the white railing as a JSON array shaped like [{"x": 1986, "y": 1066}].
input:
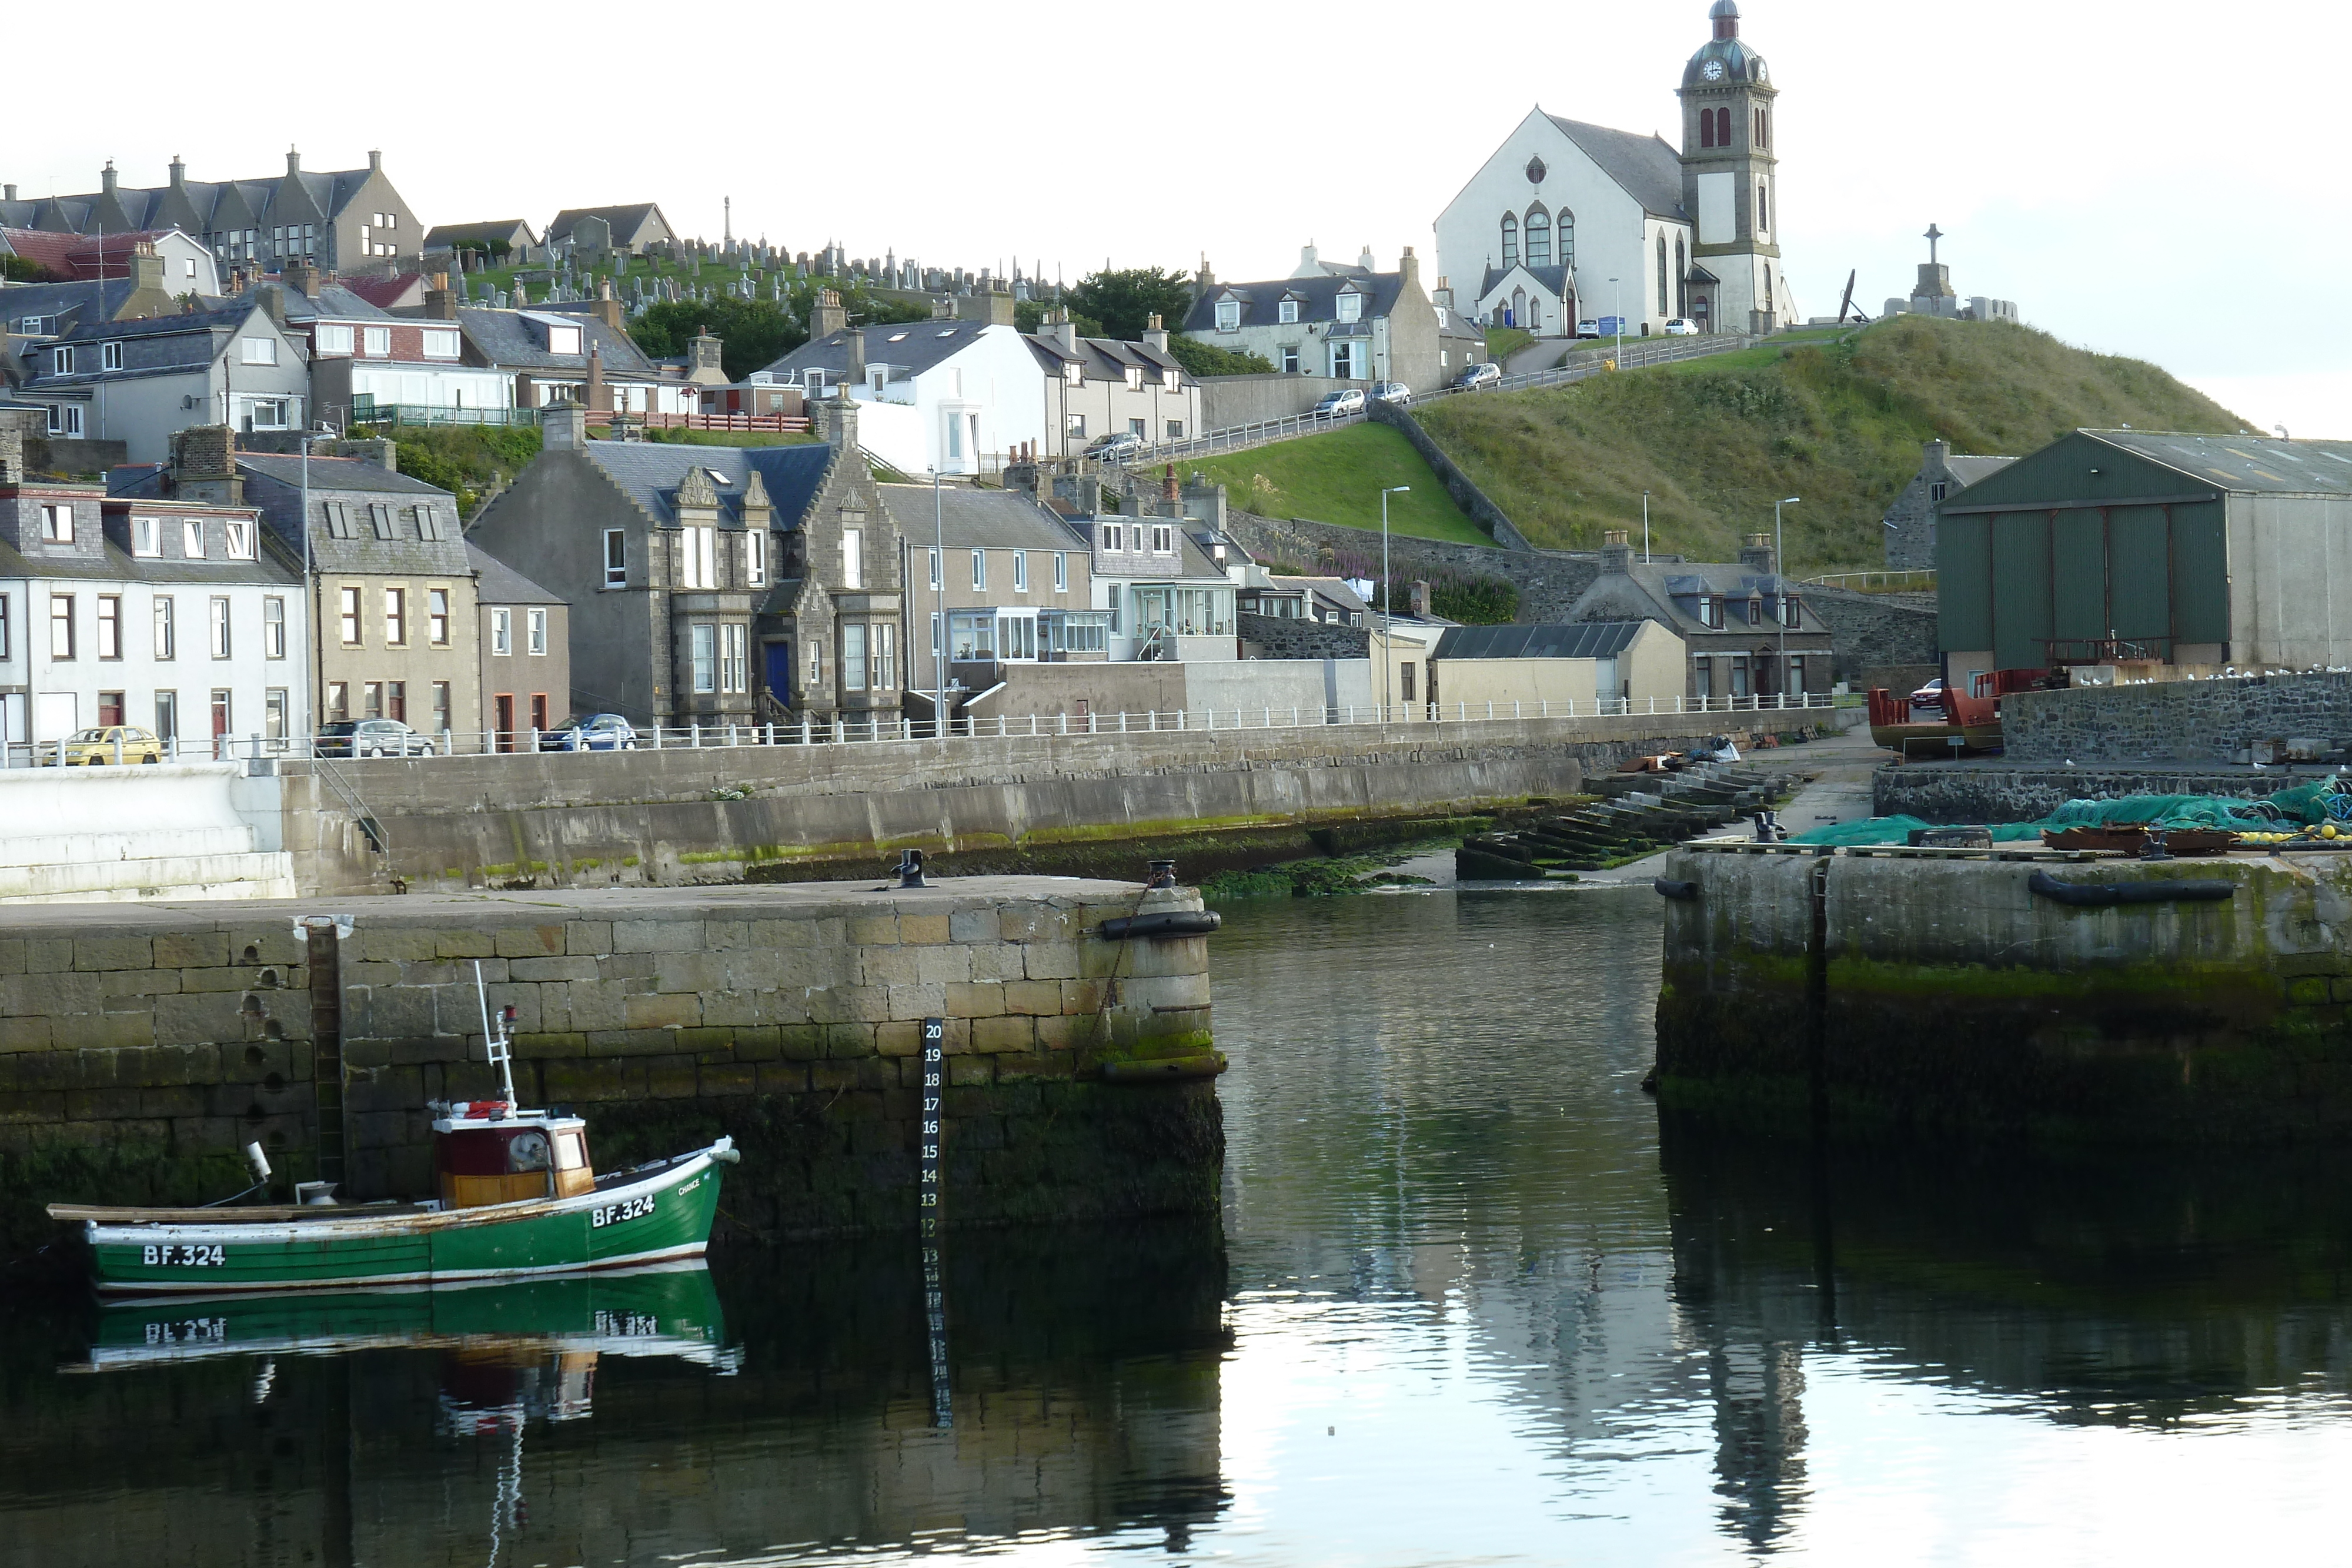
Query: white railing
[{"x": 837, "y": 731}]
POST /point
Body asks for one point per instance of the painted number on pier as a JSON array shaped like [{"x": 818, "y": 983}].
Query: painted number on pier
[
  {"x": 615, "y": 1213},
  {"x": 171, "y": 1256}
]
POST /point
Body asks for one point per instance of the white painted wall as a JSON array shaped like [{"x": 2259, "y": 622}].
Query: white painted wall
[{"x": 122, "y": 834}]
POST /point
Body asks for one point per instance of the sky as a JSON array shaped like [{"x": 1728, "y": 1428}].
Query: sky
[{"x": 2136, "y": 177}]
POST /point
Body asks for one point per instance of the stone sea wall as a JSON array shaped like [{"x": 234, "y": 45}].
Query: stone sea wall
[
  {"x": 2175, "y": 721},
  {"x": 143, "y": 1048}
]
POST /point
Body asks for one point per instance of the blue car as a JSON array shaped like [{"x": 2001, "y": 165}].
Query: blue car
[{"x": 591, "y": 732}]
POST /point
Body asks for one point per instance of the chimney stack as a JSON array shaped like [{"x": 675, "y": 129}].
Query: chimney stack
[
  {"x": 7, "y": 192},
  {"x": 1155, "y": 335},
  {"x": 1417, "y": 597},
  {"x": 179, "y": 173},
  {"x": 1616, "y": 552},
  {"x": 606, "y": 306},
  {"x": 203, "y": 467},
  {"x": 106, "y": 178},
  {"x": 856, "y": 374},
  {"x": 1756, "y": 555},
  {"x": 293, "y": 162},
  {"x": 301, "y": 276},
  {"x": 836, "y": 420},
  {"x": 564, "y": 428},
  {"x": 825, "y": 315},
  {"x": 1409, "y": 265}
]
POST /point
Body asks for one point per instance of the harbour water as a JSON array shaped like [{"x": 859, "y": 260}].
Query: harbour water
[{"x": 1469, "y": 1303}]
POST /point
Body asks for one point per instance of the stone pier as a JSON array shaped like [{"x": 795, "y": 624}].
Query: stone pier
[{"x": 141, "y": 1048}]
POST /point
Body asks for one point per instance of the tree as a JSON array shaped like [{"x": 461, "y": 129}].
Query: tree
[
  {"x": 1201, "y": 359},
  {"x": 1125, "y": 299},
  {"x": 754, "y": 333}
]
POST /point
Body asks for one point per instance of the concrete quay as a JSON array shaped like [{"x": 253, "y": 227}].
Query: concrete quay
[
  {"x": 141, "y": 1047},
  {"x": 1892, "y": 992}
]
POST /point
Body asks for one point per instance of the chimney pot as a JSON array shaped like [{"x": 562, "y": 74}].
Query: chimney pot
[
  {"x": 293, "y": 162},
  {"x": 1616, "y": 552}
]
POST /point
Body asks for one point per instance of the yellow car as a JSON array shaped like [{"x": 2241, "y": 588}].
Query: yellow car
[{"x": 97, "y": 747}]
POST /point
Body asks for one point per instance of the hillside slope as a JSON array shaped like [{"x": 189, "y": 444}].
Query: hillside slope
[{"x": 1837, "y": 421}]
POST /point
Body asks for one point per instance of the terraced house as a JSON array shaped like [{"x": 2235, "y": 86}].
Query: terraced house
[
  {"x": 713, "y": 586},
  {"x": 343, "y": 218}
]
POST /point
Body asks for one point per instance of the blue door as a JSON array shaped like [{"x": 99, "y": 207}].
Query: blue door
[{"x": 780, "y": 672}]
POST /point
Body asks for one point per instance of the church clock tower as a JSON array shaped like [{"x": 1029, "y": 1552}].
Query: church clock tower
[{"x": 1730, "y": 183}]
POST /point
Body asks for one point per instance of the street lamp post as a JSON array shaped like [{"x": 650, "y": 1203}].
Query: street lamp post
[
  {"x": 1388, "y": 598},
  {"x": 939, "y": 596},
  {"x": 1646, "y": 528},
  {"x": 1781, "y": 582},
  {"x": 1617, "y": 304},
  {"x": 312, "y": 431}
]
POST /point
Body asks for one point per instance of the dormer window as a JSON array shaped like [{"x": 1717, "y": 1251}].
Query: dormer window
[
  {"x": 1074, "y": 372},
  {"x": 62, "y": 360},
  {"x": 1135, "y": 378},
  {"x": 1287, "y": 312},
  {"x": 562, "y": 339},
  {"x": 1351, "y": 305},
  {"x": 109, "y": 356},
  {"x": 1710, "y": 612},
  {"x": 1793, "y": 611},
  {"x": 1229, "y": 315},
  {"x": 1755, "y": 610}
]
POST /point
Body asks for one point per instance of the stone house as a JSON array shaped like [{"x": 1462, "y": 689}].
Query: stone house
[
  {"x": 177, "y": 614},
  {"x": 582, "y": 356},
  {"x": 999, "y": 581},
  {"x": 630, "y": 230},
  {"x": 1750, "y": 632},
  {"x": 714, "y": 585},
  {"x": 342, "y": 219},
  {"x": 1910, "y": 522},
  {"x": 525, "y": 637},
  {"x": 1350, "y": 324},
  {"x": 391, "y": 592},
  {"x": 512, "y": 234}
]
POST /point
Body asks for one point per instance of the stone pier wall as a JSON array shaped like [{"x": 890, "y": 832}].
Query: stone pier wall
[{"x": 143, "y": 1048}]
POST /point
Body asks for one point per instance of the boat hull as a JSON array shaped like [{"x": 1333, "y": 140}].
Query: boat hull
[{"x": 665, "y": 1214}]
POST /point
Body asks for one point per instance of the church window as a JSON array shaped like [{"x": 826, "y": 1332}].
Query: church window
[
  {"x": 1763, "y": 130},
  {"x": 1565, "y": 222},
  {"x": 1538, "y": 239},
  {"x": 1510, "y": 239},
  {"x": 1763, "y": 207},
  {"x": 1682, "y": 278},
  {"x": 1707, "y": 128},
  {"x": 1723, "y": 128},
  {"x": 1666, "y": 300}
]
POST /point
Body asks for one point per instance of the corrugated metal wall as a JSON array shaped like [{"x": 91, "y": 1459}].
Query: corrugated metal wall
[{"x": 2012, "y": 581}]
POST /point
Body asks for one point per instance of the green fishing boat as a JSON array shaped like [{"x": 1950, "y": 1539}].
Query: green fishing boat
[{"x": 519, "y": 1196}]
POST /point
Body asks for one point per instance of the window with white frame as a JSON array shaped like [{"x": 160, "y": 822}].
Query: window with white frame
[
  {"x": 109, "y": 356},
  {"x": 1343, "y": 361},
  {"x": 260, "y": 352},
  {"x": 239, "y": 535},
  {"x": 1286, "y": 313},
  {"x": 1175, "y": 430},
  {"x": 62, "y": 360},
  {"x": 1137, "y": 427},
  {"x": 534, "y": 633},
  {"x": 1074, "y": 425},
  {"x": 441, "y": 343},
  {"x": 109, "y": 626},
  {"x": 853, "y": 557},
  {"x": 1061, "y": 571},
  {"x": 65, "y": 419},
  {"x": 562, "y": 339},
  {"x": 1074, "y": 372},
  {"x": 935, "y": 569},
  {"x": 616, "y": 558},
  {"x": 698, "y": 557},
  {"x": 5, "y": 647},
  {"x": 375, "y": 342},
  {"x": 980, "y": 569},
  {"x": 703, "y": 656},
  {"x": 220, "y": 627},
  {"x": 853, "y": 658},
  {"x": 1114, "y": 538},
  {"x": 1351, "y": 305},
  {"x": 755, "y": 558},
  {"x": 428, "y": 521},
  {"x": 1135, "y": 378},
  {"x": 273, "y": 627},
  {"x": 886, "y": 656},
  {"x": 734, "y": 663},
  {"x": 1229, "y": 316},
  {"x": 61, "y": 626},
  {"x": 501, "y": 633},
  {"x": 271, "y": 412},
  {"x": 436, "y": 616},
  {"x": 331, "y": 338},
  {"x": 56, "y": 524},
  {"x": 167, "y": 636},
  {"x": 1290, "y": 361},
  {"x": 191, "y": 537},
  {"x": 1021, "y": 571},
  {"x": 1163, "y": 540}
]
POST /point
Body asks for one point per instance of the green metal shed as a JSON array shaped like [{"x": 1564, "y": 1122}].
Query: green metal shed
[{"x": 2124, "y": 544}]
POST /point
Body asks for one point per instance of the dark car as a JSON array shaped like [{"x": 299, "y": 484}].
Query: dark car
[
  {"x": 372, "y": 737},
  {"x": 591, "y": 732}
]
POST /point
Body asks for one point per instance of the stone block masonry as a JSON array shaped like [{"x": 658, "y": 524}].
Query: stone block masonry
[
  {"x": 2175, "y": 721},
  {"x": 142, "y": 1048}
]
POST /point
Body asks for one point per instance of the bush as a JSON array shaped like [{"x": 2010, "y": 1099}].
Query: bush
[{"x": 1201, "y": 359}]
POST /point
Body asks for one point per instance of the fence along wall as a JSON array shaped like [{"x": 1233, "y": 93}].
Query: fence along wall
[{"x": 141, "y": 1049}]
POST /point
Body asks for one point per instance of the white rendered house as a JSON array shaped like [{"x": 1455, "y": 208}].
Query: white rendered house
[{"x": 940, "y": 396}]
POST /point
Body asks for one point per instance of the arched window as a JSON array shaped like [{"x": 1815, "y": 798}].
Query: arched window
[
  {"x": 1510, "y": 239},
  {"x": 1723, "y": 128},
  {"x": 1763, "y": 130},
  {"x": 1768, "y": 286},
  {"x": 1565, "y": 222},
  {"x": 1666, "y": 300},
  {"x": 1707, "y": 128},
  {"x": 1763, "y": 207},
  {"x": 1682, "y": 278},
  {"x": 1538, "y": 238}
]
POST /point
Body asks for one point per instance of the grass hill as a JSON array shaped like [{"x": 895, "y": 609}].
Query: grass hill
[
  {"x": 1338, "y": 477},
  {"x": 1837, "y": 418}
]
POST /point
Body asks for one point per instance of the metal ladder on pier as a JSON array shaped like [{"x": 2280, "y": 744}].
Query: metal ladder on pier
[{"x": 348, "y": 796}]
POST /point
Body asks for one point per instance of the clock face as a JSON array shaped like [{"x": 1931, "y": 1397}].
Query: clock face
[
  {"x": 1713, "y": 70},
  {"x": 1761, "y": 74}
]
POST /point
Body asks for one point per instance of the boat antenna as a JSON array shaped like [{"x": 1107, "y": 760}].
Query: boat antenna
[{"x": 502, "y": 1057}]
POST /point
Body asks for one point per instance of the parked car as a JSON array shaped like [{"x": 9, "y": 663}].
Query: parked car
[
  {"x": 1680, "y": 327},
  {"x": 1588, "y": 331},
  {"x": 1928, "y": 702},
  {"x": 1117, "y": 444},
  {"x": 1479, "y": 375},
  {"x": 1391, "y": 392},
  {"x": 1350, "y": 400},
  {"x": 96, "y": 748},
  {"x": 591, "y": 732},
  {"x": 372, "y": 737}
]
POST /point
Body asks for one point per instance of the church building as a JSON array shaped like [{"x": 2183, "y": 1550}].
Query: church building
[{"x": 1569, "y": 222}]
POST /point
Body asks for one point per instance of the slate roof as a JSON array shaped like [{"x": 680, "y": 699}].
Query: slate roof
[
  {"x": 650, "y": 472},
  {"x": 1968, "y": 470},
  {"x": 505, "y": 339},
  {"x": 20, "y": 301},
  {"x": 1317, "y": 300},
  {"x": 1644, "y": 166},
  {"x": 194, "y": 205},
  {"x": 1105, "y": 359},
  {"x": 387, "y": 293},
  {"x": 978, "y": 520},
  {"x": 908, "y": 348},
  {"x": 274, "y": 485},
  {"x": 442, "y": 237},
  {"x": 2249, "y": 465},
  {"x": 75, "y": 258},
  {"x": 1555, "y": 279},
  {"x": 118, "y": 565},
  {"x": 627, "y": 222},
  {"x": 498, "y": 583},
  {"x": 1593, "y": 639},
  {"x": 334, "y": 302},
  {"x": 151, "y": 346},
  {"x": 1675, "y": 589}
]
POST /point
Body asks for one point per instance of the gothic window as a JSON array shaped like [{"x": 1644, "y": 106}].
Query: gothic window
[
  {"x": 1707, "y": 128},
  {"x": 1538, "y": 239},
  {"x": 1723, "y": 128},
  {"x": 1510, "y": 239},
  {"x": 1666, "y": 300},
  {"x": 1763, "y": 130},
  {"x": 1682, "y": 278},
  {"x": 1565, "y": 222},
  {"x": 1763, "y": 207}
]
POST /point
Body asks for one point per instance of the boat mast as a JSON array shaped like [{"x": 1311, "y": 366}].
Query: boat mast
[{"x": 502, "y": 1057}]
